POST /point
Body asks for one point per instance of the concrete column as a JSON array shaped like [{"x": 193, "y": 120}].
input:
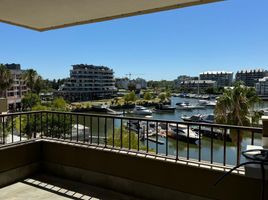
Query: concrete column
[{"x": 265, "y": 131}]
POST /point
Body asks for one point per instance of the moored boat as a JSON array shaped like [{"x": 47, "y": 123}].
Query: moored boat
[
  {"x": 140, "y": 110},
  {"x": 164, "y": 108}
]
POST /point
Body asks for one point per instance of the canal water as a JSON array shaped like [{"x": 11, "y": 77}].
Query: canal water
[{"x": 169, "y": 145}]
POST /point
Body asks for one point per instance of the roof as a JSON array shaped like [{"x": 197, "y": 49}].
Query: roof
[
  {"x": 216, "y": 72},
  {"x": 44, "y": 15}
]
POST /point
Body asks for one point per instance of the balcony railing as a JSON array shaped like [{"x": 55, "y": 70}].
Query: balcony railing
[{"x": 215, "y": 144}]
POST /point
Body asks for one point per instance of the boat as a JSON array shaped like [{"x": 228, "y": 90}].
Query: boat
[
  {"x": 140, "y": 110},
  {"x": 79, "y": 132},
  {"x": 188, "y": 106},
  {"x": 105, "y": 109},
  {"x": 216, "y": 134},
  {"x": 207, "y": 118},
  {"x": 182, "y": 133},
  {"x": 193, "y": 118},
  {"x": 207, "y": 103},
  {"x": 264, "y": 111},
  {"x": 99, "y": 108},
  {"x": 164, "y": 108},
  {"x": 199, "y": 118}
]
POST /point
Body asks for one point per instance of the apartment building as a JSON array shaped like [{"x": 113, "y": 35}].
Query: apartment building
[
  {"x": 18, "y": 88},
  {"x": 198, "y": 85},
  {"x": 262, "y": 86},
  {"x": 222, "y": 78},
  {"x": 251, "y": 77},
  {"x": 88, "y": 82}
]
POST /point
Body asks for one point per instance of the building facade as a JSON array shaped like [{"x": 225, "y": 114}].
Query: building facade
[
  {"x": 250, "y": 77},
  {"x": 221, "y": 77},
  {"x": 88, "y": 82},
  {"x": 262, "y": 86},
  {"x": 122, "y": 83},
  {"x": 198, "y": 85},
  {"x": 18, "y": 88}
]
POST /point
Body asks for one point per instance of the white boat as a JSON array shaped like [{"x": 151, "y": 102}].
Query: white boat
[
  {"x": 207, "y": 103},
  {"x": 140, "y": 110},
  {"x": 188, "y": 106},
  {"x": 180, "y": 132},
  {"x": 79, "y": 131}
]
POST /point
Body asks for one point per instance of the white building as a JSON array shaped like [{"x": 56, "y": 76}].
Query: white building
[
  {"x": 262, "y": 86},
  {"x": 221, "y": 77},
  {"x": 88, "y": 82},
  {"x": 18, "y": 88}
]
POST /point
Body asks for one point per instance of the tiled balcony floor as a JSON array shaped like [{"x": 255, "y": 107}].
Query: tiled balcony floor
[{"x": 45, "y": 187}]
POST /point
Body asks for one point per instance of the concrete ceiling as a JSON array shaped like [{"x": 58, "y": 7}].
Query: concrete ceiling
[{"x": 45, "y": 15}]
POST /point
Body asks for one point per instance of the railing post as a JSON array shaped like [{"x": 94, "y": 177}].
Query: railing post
[{"x": 265, "y": 131}]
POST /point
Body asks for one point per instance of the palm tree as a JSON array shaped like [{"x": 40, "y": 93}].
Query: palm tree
[
  {"x": 236, "y": 106},
  {"x": 30, "y": 76},
  {"x": 5, "y": 80}
]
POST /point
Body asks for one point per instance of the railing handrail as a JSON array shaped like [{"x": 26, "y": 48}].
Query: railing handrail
[{"x": 59, "y": 124}]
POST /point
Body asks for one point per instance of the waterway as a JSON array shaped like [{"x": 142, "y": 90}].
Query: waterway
[{"x": 169, "y": 145}]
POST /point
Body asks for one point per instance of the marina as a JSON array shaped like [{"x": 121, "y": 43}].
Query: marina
[{"x": 168, "y": 145}]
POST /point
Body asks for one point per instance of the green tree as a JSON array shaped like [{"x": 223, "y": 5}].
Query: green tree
[
  {"x": 5, "y": 80},
  {"x": 30, "y": 76},
  {"x": 162, "y": 97},
  {"x": 51, "y": 124},
  {"x": 132, "y": 96},
  {"x": 38, "y": 85},
  {"x": 59, "y": 104},
  {"x": 236, "y": 104},
  {"x": 147, "y": 96},
  {"x": 30, "y": 100},
  {"x": 126, "y": 137}
]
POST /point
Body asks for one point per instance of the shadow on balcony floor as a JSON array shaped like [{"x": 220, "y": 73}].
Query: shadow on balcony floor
[{"x": 43, "y": 186}]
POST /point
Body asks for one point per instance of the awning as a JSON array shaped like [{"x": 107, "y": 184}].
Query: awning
[{"x": 44, "y": 15}]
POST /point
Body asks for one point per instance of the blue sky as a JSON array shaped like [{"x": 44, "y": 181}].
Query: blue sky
[{"x": 230, "y": 35}]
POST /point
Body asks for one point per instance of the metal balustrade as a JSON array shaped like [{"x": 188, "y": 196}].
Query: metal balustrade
[{"x": 169, "y": 139}]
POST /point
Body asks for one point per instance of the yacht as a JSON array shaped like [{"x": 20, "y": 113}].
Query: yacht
[
  {"x": 105, "y": 109},
  {"x": 207, "y": 103},
  {"x": 164, "y": 108},
  {"x": 199, "y": 118},
  {"x": 181, "y": 132},
  {"x": 188, "y": 106},
  {"x": 140, "y": 110},
  {"x": 193, "y": 118}
]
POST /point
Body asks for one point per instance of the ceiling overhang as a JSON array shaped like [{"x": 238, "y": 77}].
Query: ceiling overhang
[{"x": 45, "y": 15}]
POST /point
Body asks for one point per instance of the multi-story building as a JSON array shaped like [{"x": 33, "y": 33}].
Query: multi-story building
[
  {"x": 122, "y": 83},
  {"x": 18, "y": 88},
  {"x": 262, "y": 86},
  {"x": 183, "y": 78},
  {"x": 198, "y": 85},
  {"x": 250, "y": 77},
  {"x": 221, "y": 77},
  {"x": 140, "y": 83},
  {"x": 88, "y": 82}
]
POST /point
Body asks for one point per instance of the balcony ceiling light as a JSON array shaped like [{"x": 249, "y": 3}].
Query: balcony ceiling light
[{"x": 44, "y": 15}]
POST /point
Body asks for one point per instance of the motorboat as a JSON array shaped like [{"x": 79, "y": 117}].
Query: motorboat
[
  {"x": 207, "y": 103},
  {"x": 193, "y": 118},
  {"x": 264, "y": 111},
  {"x": 188, "y": 106},
  {"x": 199, "y": 118},
  {"x": 105, "y": 109},
  {"x": 207, "y": 118},
  {"x": 183, "y": 133},
  {"x": 140, "y": 110},
  {"x": 164, "y": 108},
  {"x": 79, "y": 132}
]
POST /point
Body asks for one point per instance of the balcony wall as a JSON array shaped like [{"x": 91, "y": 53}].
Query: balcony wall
[{"x": 125, "y": 172}]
